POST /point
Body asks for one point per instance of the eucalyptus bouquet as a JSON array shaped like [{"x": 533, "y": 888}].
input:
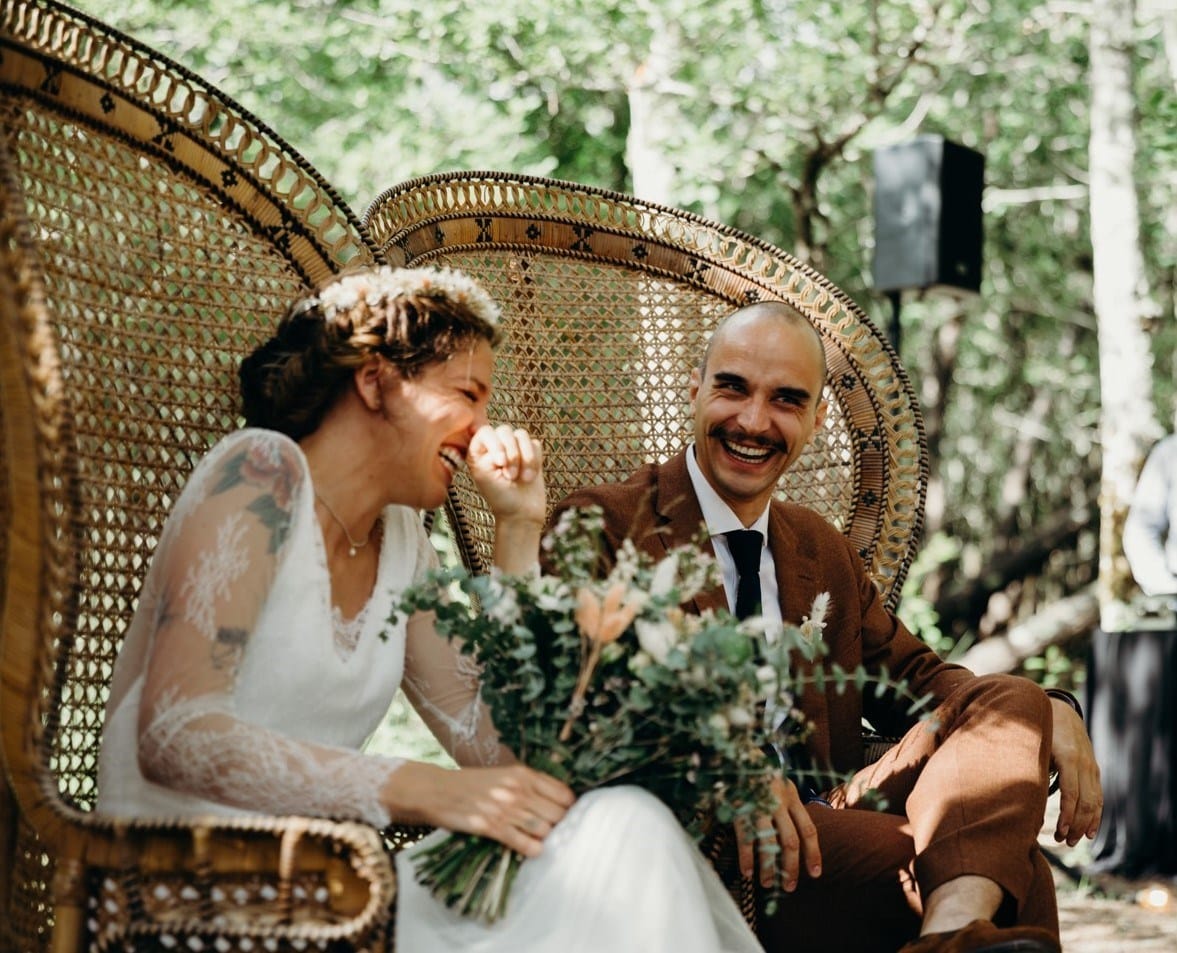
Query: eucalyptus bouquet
[{"x": 603, "y": 679}]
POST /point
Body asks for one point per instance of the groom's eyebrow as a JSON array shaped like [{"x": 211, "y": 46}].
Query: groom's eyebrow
[{"x": 794, "y": 394}]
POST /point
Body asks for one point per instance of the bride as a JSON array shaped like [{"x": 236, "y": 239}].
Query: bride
[{"x": 261, "y": 656}]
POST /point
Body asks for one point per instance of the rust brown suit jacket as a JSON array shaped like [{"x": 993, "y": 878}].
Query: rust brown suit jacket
[{"x": 658, "y": 509}]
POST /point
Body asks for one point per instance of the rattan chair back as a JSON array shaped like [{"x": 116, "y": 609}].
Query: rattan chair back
[
  {"x": 152, "y": 232},
  {"x": 608, "y": 302}
]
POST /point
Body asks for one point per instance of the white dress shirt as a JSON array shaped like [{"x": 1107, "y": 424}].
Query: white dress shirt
[{"x": 720, "y": 519}]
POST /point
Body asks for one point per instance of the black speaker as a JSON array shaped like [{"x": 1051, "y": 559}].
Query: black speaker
[{"x": 928, "y": 215}]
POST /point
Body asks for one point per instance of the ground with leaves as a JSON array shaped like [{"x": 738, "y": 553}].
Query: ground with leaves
[
  {"x": 1108, "y": 914},
  {"x": 1118, "y": 916}
]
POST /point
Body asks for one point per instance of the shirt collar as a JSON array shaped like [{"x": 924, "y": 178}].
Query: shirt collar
[{"x": 716, "y": 513}]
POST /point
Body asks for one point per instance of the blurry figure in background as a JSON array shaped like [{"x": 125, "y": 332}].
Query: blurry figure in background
[
  {"x": 1133, "y": 689},
  {"x": 1150, "y": 533}
]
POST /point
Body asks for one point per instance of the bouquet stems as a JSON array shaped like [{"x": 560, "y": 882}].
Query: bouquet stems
[{"x": 470, "y": 874}]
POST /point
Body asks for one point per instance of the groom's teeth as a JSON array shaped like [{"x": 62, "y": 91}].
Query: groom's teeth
[{"x": 748, "y": 453}]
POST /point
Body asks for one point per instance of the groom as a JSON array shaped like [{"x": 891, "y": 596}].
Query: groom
[{"x": 952, "y": 865}]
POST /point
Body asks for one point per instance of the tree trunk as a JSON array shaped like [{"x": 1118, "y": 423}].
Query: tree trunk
[
  {"x": 652, "y": 117},
  {"x": 1057, "y": 623},
  {"x": 1122, "y": 301}
]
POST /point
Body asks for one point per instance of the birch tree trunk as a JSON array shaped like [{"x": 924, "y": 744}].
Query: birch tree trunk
[
  {"x": 1122, "y": 301},
  {"x": 652, "y": 116}
]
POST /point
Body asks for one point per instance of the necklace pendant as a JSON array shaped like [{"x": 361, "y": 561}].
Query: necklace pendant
[{"x": 351, "y": 551}]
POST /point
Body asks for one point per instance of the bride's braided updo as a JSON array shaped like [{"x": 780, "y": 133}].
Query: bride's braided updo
[{"x": 413, "y": 317}]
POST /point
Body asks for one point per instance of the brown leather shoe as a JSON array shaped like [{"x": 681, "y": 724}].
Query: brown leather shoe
[{"x": 981, "y": 936}]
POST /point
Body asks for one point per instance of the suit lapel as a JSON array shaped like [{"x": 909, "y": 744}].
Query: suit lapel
[
  {"x": 798, "y": 584},
  {"x": 680, "y": 521},
  {"x": 796, "y": 566}
]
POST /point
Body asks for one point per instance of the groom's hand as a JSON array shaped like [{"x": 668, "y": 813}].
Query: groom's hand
[
  {"x": 794, "y": 833},
  {"x": 1080, "y": 791}
]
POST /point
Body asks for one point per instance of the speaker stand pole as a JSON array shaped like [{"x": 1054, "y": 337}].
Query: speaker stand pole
[{"x": 893, "y": 327}]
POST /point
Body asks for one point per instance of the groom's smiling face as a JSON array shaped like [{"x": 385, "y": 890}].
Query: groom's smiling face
[{"x": 756, "y": 401}]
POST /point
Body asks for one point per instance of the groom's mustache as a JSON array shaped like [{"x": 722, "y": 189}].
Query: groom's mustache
[{"x": 720, "y": 432}]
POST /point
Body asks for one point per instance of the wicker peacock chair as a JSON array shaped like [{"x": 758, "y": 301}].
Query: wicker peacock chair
[
  {"x": 151, "y": 232},
  {"x": 608, "y": 302}
]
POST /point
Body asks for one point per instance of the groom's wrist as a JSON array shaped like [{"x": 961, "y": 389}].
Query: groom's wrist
[{"x": 1064, "y": 696}]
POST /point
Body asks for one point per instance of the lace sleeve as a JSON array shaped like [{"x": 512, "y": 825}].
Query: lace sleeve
[
  {"x": 212, "y": 577},
  {"x": 442, "y": 685}
]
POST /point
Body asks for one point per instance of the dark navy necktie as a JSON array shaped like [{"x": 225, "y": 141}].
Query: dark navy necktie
[{"x": 745, "y": 546}]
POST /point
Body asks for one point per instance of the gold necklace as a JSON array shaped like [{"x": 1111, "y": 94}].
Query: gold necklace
[{"x": 353, "y": 545}]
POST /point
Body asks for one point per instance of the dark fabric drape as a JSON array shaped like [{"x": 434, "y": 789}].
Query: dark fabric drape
[{"x": 1132, "y": 706}]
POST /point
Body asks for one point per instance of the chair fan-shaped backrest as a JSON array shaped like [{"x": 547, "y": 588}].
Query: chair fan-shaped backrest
[
  {"x": 608, "y": 302},
  {"x": 164, "y": 231}
]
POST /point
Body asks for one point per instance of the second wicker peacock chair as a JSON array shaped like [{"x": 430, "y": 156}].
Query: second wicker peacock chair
[{"x": 608, "y": 302}]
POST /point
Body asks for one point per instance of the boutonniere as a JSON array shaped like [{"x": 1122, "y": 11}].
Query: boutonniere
[{"x": 814, "y": 624}]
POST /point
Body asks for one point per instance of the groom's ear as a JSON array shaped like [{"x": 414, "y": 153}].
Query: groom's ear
[
  {"x": 819, "y": 415},
  {"x": 693, "y": 385}
]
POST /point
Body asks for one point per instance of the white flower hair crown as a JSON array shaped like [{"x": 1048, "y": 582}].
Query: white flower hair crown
[{"x": 378, "y": 286}]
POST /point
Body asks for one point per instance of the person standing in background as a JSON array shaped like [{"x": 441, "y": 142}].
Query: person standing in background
[
  {"x": 1150, "y": 532},
  {"x": 1132, "y": 689}
]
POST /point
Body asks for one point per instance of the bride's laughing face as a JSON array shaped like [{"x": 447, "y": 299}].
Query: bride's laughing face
[{"x": 434, "y": 415}]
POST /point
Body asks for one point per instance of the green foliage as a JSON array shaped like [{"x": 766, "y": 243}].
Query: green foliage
[
  {"x": 768, "y": 112},
  {"x": 1055, "y": 669},
  {"x": 404, "y": 735},
  {"x": 600, "y": 678},
  {"x": 916, "y": 610}
]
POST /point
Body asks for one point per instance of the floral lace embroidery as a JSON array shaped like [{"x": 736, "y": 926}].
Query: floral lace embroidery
[
  {"x": 347, "y": 632},
  {"x": 210, "y": 579},
  {"x": 468, "y": 738},
  {"x": 198, "y": 745}
]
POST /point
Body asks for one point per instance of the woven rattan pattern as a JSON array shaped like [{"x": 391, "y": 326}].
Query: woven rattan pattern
[
  {"x": 78, "y": 66},
  {"x": 170, "y": 228},
  {"x": 608, "y": 301},
  {"x": 201, "y": 902}
]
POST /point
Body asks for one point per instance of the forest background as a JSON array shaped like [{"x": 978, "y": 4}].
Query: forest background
[{"x": 1041, "y": 394}]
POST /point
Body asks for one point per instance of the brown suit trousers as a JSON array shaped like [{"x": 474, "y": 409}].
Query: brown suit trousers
[{"x": 964, "y": 792}]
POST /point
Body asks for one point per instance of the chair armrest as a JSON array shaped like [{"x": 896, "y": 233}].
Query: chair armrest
[{"x": 211, "y": 879}]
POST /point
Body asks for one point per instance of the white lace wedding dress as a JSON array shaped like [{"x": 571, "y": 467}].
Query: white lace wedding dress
[{"x": 240, "y": 688}]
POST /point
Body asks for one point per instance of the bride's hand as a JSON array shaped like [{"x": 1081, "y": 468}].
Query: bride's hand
[
  {"x": 506, "y": 464},
  {"x": 514, "y": 804}
]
